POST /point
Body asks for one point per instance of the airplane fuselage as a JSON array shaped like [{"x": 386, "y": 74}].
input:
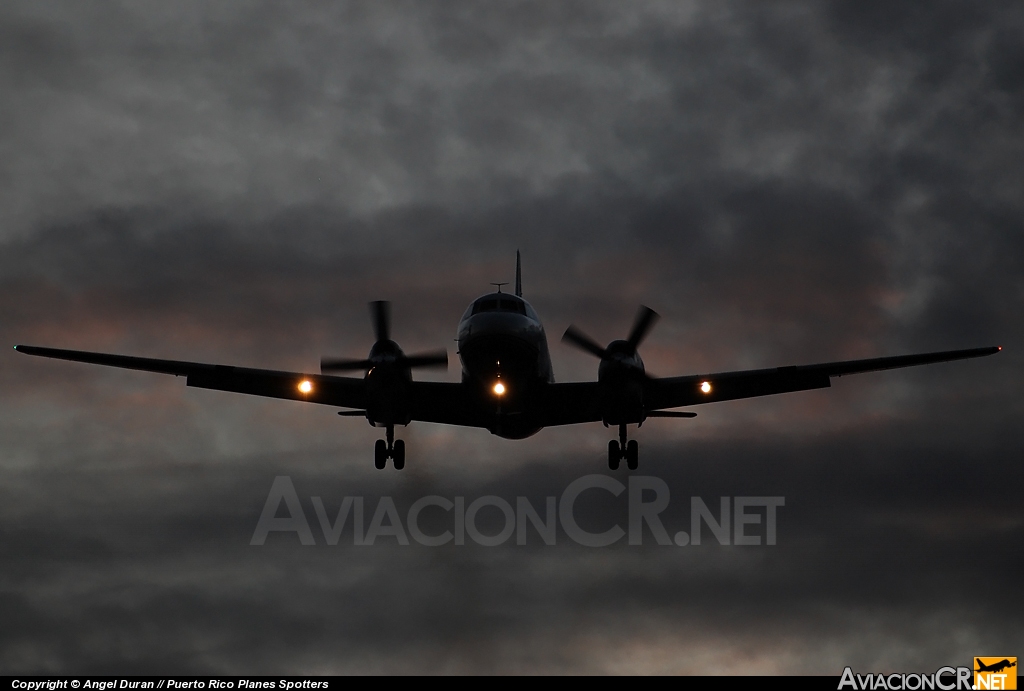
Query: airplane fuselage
[{"x": 505, "y": 361}]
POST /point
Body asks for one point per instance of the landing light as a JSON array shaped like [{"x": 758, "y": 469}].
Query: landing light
[
  {"x": 705, "y": 386},
  {"x": 305, "y": 386},
  {"x": 499, "y": 389}
]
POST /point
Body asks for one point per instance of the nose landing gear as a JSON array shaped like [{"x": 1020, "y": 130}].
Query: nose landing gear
[
  {"x": 623, "y": 450},
  {"x": 392, "y": 448}
]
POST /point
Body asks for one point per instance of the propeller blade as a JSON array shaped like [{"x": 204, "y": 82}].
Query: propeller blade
[
  {"x": 437, "y": 358},
  {"x": 343, "y": 365},
  {"x": 584, "y": 342},
  {"x": 645, "y": 318},
  {"x": 380, "y": 311}
]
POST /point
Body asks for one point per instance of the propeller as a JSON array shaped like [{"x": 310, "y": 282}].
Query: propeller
[
  {"x": 584, "y": 342},
  {"x": 645, "y": 319},
  {"x": 384, "y": 350},
  {"x": 380, "y": 312}
]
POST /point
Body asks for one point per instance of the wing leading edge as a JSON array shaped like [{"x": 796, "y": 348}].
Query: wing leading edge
[
  {"x": 673, "y": 392},
  {"x": 442, "y": 402},
  {"x": 338, "y": 391},
  {"x": 561, "y": 404}
]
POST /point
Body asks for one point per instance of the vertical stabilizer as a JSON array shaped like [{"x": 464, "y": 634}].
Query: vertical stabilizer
[{"x": 519, "y": 277}]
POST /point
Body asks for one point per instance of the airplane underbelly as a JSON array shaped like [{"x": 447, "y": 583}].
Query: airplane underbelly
[{"x": 514, "y": 427}]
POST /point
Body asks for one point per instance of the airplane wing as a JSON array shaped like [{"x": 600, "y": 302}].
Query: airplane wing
[
  {"x": 445, "y": 403},
  {"x": 672, "y": 392},
  {"x": 337, "y": 391},
  {"x": 451, "y": 403},
  {"x": 571, "y": 403},
  {"x": 441, "y": 402}
]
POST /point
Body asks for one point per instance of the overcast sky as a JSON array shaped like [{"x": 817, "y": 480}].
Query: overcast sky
[{"x": 783, "y": 182}]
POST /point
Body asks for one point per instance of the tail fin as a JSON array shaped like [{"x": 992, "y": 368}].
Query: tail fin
[{"x": 519, "y": 277}]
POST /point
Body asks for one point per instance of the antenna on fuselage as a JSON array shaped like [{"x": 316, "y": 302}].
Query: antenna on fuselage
[
  {"x": 500, "y": 285},
  {"x": 519, "y": 278}
]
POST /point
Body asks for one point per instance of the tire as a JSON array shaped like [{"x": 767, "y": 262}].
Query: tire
[
  {"x": 399, "y": 454},
  {"x": 632, "y": 455},
  {"x": 614, "y": 455},
  {"x": 380, "y": 454}
]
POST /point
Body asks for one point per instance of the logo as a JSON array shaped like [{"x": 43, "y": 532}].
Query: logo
[
  {"x": 995, "y": 673},
  {"x": 944, "y": 679},
  {"x": 434, "y": 520}
]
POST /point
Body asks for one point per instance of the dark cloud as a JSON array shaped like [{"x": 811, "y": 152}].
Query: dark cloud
[
  {"x": 877, "y": 544},
  {"x": 784, "y": 184}
]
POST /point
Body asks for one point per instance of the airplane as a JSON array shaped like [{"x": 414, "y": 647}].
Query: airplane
[
  {"x": 508, "y": 385},
  {"x": 995, "y": 666}
]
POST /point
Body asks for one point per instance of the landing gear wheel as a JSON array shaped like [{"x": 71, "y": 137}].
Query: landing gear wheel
[
  {"x": 380, "y": 454},
  {"x": 614, "y": 455},
  {"x": 399, "y": 454},
  {"x": 632, "y": 455}
]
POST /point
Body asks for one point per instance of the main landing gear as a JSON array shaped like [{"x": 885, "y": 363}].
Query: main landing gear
[
  {"x": 392, "y": 448},
  {"x": 619, "y": 450}
]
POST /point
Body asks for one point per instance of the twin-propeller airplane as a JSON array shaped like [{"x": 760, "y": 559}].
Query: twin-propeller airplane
[{"x": 507, "y": 386}]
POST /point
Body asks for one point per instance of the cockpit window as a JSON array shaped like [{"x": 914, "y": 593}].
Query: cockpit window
[{"x": 499, "y": 304}]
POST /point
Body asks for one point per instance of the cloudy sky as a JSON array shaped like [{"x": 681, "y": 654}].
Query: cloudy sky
[{"x": 784, "y": 183}]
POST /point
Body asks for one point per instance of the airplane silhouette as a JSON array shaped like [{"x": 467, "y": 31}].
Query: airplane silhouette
[
  {"x": 995, "y": 666},
  {"x": 508, "y": 386}
]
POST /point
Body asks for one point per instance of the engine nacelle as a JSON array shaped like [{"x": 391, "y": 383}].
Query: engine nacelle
[{"x": 621, "y": 377}]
